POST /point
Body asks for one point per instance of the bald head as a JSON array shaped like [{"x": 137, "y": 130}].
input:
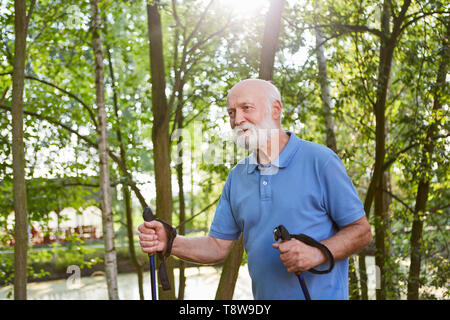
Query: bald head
[{"x": 259, "y": 88}]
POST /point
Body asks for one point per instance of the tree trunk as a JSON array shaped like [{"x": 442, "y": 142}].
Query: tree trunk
[
  {"x": 126, "y": 191},
  {"x": 388, "y": 43},
  {"x": 18, "y": 152},
  {"x": 325, "y": 92},
  {"x": 424, "y": 183},
  {"x": 107, "y": 217},
  {"x": 160, "y": 130},
  {"x": 330, "y": 135},
  {"x": 270, "y": 40},
  {"x": 130, "y": 234},
  {"x": 230, "y": 269},
  {"x": 182, "y": 231},
  {"x": 384, "y": 72}
]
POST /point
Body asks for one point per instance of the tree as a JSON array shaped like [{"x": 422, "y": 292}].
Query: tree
[
  {"x": 270, "y": 40},
  {"x": 324, "y": 89},
  {"x": 160, "y": 129},
  {"x": 107, "y": 216},
  {"x": 20, "y": 194},
  {"x": 125, "y": 188},
  {"x": 425, "y": 174},
  {"x": 233, "y": 261}
]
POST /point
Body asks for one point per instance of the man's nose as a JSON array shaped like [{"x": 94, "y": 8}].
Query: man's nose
[{"x": 239, "y": 118}]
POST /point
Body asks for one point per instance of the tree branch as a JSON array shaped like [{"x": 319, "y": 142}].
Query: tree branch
[
  {"x": 93, "y": 144},
  {"x": 175, "y": 14},
  {"x": 55, "y": 122},
  {"x": 217, "y": 33},
  {"x": 389, "y": 162},
  {"x": 418, "y": 17},
  {"x": 73, "y": 96},
  {"x": 198, "y": 213},
  {"x": 399, "y": 200},
  {"x": 30, "y": 12},
  {"x": 199, "y": 22},
  {"x": 354, "y": 28}
]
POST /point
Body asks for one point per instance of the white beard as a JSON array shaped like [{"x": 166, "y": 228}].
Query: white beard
[{"x": 252, "y": 137}]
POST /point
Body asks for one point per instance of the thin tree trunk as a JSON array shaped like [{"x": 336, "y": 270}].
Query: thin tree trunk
[
  {"x": 390, "y": 275},
  {"x": 370, "y": 194},
  {"x": 330, "y": 135},
  {"x": 107, "y": 216},
  {"x": 384, "y": 71},
  {"x": 424, "y": 183},
  {"x": 387, "y": 47},
  {"x": 126, "y": 191},
  {"x": 160, "y": 130},
  {"x": 230, "y": 269},
  {"x": 130, "y": 234},
  {"x": 325, "y": 92},
  {"x": 18, "y": 152},
  {"x": 182, "y": 230}
]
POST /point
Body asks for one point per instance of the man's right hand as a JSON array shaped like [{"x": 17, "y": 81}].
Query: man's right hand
[{"x": 152, "y": 237}]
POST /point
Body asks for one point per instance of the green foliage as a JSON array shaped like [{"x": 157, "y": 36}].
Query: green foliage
[{"x": 210, "y": 51}]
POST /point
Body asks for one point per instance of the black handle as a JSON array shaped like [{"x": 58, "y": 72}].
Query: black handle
[
  {"x": 281, "y": 232},
  {"x": 148, "y": 215}
]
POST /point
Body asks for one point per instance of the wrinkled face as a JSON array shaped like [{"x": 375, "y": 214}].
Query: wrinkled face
[{"x": 250, "y": 118}]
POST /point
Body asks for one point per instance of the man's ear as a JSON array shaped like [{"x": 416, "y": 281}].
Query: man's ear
[{"x": 276, "y": 110}]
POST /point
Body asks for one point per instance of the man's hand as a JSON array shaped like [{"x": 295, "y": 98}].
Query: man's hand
[
  {"x": 298, "y": 257},
  {"x": 152, "y": 237}
]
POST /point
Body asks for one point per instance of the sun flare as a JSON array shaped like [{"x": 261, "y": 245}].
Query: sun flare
[{"x": 245, "y": 7}]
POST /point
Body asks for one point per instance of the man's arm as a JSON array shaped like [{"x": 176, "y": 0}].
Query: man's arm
[
  {"x": 298, "y": 257},
  {"x": 203, "y": 250},
  {"x": 349, "y": 239}
]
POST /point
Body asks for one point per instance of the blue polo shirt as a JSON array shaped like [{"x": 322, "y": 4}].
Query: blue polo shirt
[{"x": 305, "y": 189}]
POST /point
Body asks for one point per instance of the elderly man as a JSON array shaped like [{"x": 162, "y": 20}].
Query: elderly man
[{"x": 285, "y": 181}]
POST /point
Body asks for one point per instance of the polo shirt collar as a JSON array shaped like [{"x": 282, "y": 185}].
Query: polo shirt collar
[{"x": 283, "y": 159}]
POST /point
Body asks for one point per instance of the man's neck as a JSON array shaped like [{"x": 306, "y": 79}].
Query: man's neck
[{"x": 273, "y": 148}]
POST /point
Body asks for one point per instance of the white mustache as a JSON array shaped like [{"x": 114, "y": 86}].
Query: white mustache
[{"x": 244, "y": 127}]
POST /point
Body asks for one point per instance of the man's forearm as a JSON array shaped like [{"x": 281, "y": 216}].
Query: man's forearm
[
  {"x": 202, "y": 250},
  {"x": 348, "y": 240}
]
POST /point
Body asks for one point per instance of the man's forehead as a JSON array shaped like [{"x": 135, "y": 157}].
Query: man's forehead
[
  {"x": 248, "y": 85},
  {"x": 244, "y": 93}
]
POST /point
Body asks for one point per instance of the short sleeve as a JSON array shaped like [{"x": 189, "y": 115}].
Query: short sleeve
[
  {"x": 224, "y": 225},
  {"x": 339, "y": 195}
]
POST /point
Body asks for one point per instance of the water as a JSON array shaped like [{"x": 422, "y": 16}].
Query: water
[{"x": 201, "y": 283}]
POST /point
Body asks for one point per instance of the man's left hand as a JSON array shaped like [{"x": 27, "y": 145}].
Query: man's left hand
[{"x": 298, "y": 257}]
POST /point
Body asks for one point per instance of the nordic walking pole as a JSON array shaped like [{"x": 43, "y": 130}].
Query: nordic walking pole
[
  {"x": 148, "y": 216},
  {"x": 281, "y": 233},
  {"x": 303, "y": 286}
]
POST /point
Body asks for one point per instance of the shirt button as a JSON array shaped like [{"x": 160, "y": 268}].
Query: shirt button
[{"x": 265, "y": 183}]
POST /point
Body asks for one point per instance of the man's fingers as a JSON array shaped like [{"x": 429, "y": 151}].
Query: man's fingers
[
  {"x": 147, "y": 237},
  {"x": 283, "y": 246},
  {"x": 144, "y": 228},
  {"x": 153, "y": 224}
]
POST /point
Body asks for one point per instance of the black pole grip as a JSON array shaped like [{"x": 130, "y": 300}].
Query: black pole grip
[
  {"x": 162, "y": 272},
  {"x": 148, "y": 215},
  {"x": 281, "y": 232}
]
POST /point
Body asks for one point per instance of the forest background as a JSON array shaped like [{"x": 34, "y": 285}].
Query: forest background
[{"x": 122, "y": 105}]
